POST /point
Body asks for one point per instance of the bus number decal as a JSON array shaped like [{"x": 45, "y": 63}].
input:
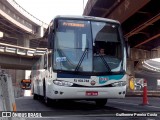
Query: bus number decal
[{"x": 81, "y": 80}]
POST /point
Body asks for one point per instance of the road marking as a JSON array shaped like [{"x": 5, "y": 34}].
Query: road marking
[
  {"x": 136, "y": 104},
  {"x": 124, "y": 103}
]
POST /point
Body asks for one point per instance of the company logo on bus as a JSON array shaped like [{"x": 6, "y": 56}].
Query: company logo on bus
[
  {"x": 103, "y": 80},
  {"x": 93, "y": 82}
]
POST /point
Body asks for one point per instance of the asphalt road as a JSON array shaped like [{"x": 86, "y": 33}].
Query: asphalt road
[{"x": 115, "y": 109}]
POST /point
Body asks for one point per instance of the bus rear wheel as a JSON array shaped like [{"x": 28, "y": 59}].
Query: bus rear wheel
[
  {"x": 101, "y": 102},
  {"x": 35, "y": 96}
]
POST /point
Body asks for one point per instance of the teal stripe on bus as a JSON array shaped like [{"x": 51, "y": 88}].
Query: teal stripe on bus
[{"x": 112, "y": 77}]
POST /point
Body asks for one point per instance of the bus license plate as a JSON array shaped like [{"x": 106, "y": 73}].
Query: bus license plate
[{"x": 91, "y": 93}]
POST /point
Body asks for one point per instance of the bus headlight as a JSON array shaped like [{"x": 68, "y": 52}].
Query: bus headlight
[
  {"x": 62, "y": 83},
  {"x": 119, "y": 84}
]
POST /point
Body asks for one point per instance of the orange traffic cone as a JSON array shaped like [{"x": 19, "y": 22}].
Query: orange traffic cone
[{"x": 145, "y": 98}]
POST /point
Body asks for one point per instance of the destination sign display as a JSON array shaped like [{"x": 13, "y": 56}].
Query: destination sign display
[{"x": 73, "y": 24}]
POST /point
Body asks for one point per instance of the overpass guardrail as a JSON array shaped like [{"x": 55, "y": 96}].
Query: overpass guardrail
[{"x": 7, "y": 48}]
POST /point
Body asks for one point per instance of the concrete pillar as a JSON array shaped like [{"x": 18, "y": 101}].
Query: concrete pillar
[
  {"x": 20, "y": 74},
  {"x": 158, "y": 53},
  {"x": 130, "y": 67},
  {"x": 130, "y": 73},
  {"x": 26, "y": 43},
  {"x": 41, "y": 31},
  {"x": 12, "y": 73},
  {"x": 23, "y": 41},
  {"x": 17, "y": 76}
]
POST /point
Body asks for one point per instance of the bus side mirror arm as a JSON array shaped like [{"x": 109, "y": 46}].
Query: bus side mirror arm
[{"x": 50, "y": 40}]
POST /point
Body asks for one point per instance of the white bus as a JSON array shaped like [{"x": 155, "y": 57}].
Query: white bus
[{"x": 85, "y": 60}]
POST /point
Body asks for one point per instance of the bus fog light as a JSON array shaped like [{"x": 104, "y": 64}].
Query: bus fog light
[
  {"x": 62, "y": 83},
  {"x": 56, "y": 82}
]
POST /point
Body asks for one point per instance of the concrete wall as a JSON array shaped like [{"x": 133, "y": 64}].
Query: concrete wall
[
  {"x": 17, "y": 75},
  {"x": 151, "y": 79}
]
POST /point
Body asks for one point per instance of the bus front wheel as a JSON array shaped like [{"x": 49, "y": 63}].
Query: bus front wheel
[
  {"x": 47, "y": 100},
  {"x": 35, "y": 96},
  {"x": 101, "y": 102}
]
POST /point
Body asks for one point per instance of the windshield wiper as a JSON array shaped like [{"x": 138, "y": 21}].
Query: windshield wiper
[
  {"x": 106, "y": 64},
  {"x": 81, "y": 59}
]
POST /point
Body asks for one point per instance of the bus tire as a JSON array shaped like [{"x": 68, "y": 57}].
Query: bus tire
[
  {"x": 48, "y": 101},
  {"x": 35, "y": 96},
  {"x": 101, "y": 102}
]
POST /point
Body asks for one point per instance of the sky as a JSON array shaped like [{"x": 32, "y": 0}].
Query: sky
[{"x": 46, "y": 10}]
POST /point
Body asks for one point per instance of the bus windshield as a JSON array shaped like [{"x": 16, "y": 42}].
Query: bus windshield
[{"x": 87, "y": 46}]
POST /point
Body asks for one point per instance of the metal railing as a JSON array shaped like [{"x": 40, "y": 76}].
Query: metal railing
[{"x": 7, "y": 48}]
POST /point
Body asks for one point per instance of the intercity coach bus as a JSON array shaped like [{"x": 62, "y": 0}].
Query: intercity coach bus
[
  {"x": 26, "y": 84},
  {"x": 85, "y": 60}
]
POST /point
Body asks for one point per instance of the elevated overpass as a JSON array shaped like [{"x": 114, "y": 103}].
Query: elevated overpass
[
  {"x": 18, "y": 26},
  {"x": 18, "y": 40}
]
